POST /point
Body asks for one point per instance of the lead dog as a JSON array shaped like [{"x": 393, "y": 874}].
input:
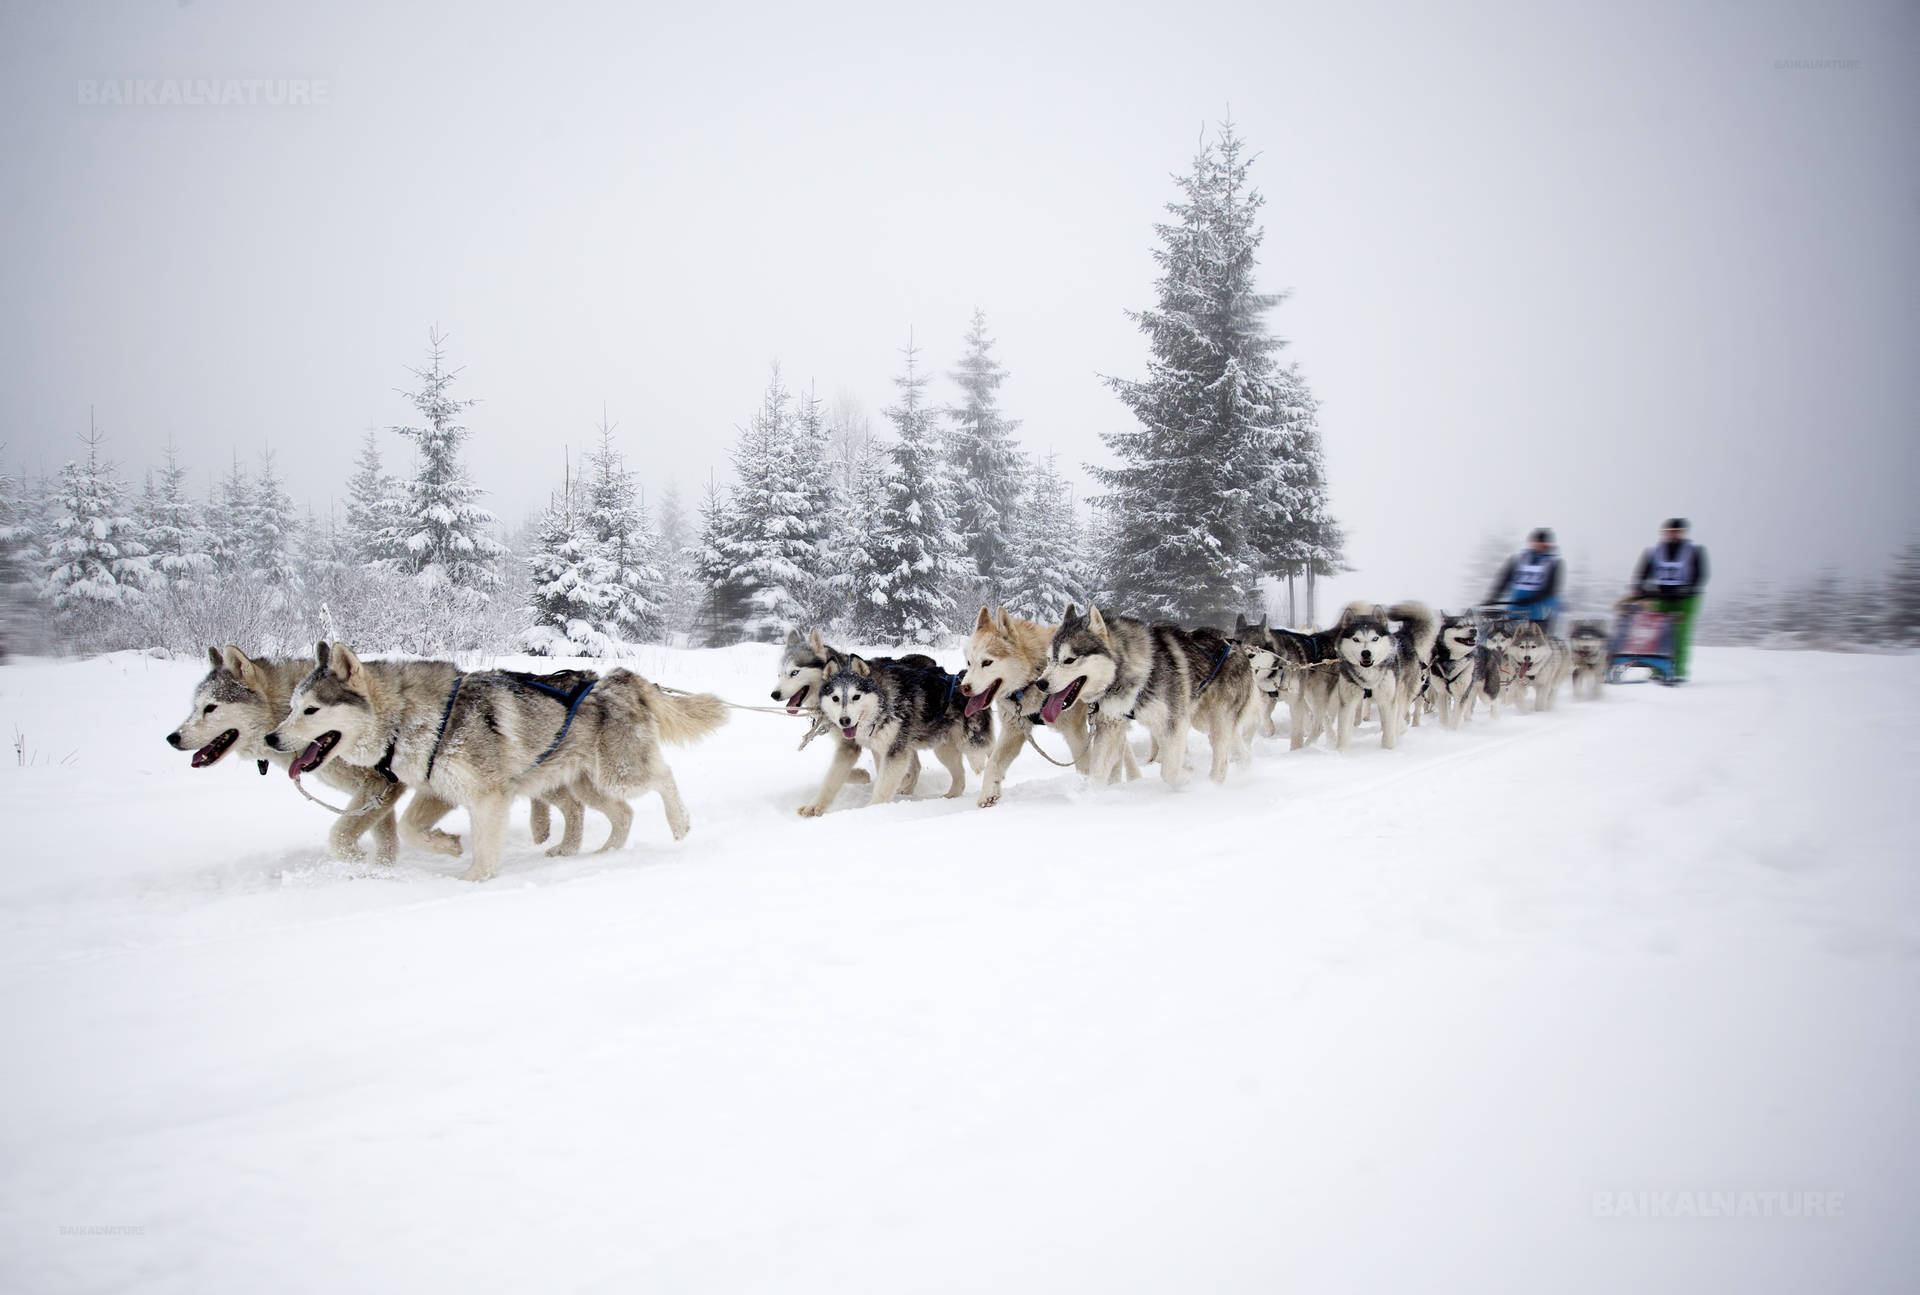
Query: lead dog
[{"x": 479, "y": 740}]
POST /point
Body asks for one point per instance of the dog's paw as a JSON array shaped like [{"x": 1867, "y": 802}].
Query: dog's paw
[
  {"x": 475, "y": 874},
  {"x": 680, "y": 829},
  {"x": 859, "y": 775},
  {"x": 988, "y": 799},
  {"x": 349, "y": 853},
  {"x": 447, "y": 843},
  {"x": 811, "y": 811},
  {"x": 556, "y": 851}
]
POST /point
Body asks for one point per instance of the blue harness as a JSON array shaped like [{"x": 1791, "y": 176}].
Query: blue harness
[
  {"x": 1216, "y": 669},
  {"x": 571, "y": 700}
]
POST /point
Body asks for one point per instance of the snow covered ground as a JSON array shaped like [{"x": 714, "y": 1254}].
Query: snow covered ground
[{"x": 1507, "y": 1009}]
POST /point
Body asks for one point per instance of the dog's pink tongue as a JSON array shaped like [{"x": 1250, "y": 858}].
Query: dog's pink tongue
[
  {"x": 1051, "y": 708},
  {"x": 306, "y": 760},
  {"x": 979, "y": 701},
  {"x": 850, "y": 731}
]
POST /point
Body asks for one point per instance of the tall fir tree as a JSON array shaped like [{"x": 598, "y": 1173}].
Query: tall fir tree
[
  {"x": 372, "y": 521},
  {"x": 854, "y": 574},
  {"x": 725, "y": 606},
  {"x": 1192, "y": 501},
  {"x": 986, "y": 466},
  {"x": 94, "y": 560},
  {"x": 1047, "y": 574},
  {"x": 444, "y": 539},
  {"x": 170, "y": 527},
  {"x": 617, "y": 523},
  {"x": 230, "y": 522},
  {"x": 571, "y": 593},
  {"x": 676, "y": 563},
  {"x": 271, "y": 535},
  {"x": 909, "y": 558},
  {"x": 1902, "y": 616}
]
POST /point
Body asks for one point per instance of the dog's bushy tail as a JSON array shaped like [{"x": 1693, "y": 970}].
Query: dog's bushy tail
[
  {"x": 683, "y": 717},
  {"x": 1420, "y": 623}
]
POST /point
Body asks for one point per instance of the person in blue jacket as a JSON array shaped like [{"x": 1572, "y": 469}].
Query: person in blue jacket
[{"x": 1529, "y": 583}]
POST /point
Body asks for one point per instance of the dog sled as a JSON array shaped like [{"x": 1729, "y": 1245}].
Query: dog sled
[{"x": 1642, "y": 638}]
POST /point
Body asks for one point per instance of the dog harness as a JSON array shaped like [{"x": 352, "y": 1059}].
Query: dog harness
[
  {"x": 441, "y": 732},
  {"x": 1216, "y": 670},
  {"x": 570, "y": 700}
]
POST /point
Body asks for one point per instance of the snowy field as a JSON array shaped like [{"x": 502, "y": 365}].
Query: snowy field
[{"x": 1509, "y": 1009}]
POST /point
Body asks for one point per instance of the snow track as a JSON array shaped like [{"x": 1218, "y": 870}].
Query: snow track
[{"x": 1388, "y": 1020}]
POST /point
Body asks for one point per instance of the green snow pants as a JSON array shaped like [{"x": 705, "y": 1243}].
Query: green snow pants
[{"x": 1684, "y": 608}]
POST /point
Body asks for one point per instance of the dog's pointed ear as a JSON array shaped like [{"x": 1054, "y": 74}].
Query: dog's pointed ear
[
  {"x": 861, "y": 668},
  {"x": 215, "y": 660},
  {"x": 232, "y": 660},
  {"x": 1096, "y": 622},
  {"x": 320, "y": 654},
  {"x": 793, "y": 636},
  {"x": 1239, "y": 624},
  {"x": 1264, "y": 618},
  {"x": 984, "y": 621},
  {"x": 1071, "y": 616},
  {"x": 345, "y": 664},
  {"x": 818, "y": 644}
]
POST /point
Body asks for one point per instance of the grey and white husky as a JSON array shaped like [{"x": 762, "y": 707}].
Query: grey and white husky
[
  {"x": 479, "y": 740},
  {"x": 1379, "y": 651},
  {"x": 1168, "y": 678},
  {"x": 240, "y": 701},
  {"x": 1005, "y": 655},
  {"x": 895, "y": 709},
  {"x": 1536, "y": 664},
  {"x": 1588, "y": 641}
]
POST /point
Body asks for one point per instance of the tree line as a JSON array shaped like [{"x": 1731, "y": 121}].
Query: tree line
[{"x": 1216, "y": 487}]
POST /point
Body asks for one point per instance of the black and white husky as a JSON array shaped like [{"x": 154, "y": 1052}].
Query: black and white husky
[
  {"x": 895, "y": 709},
  {"x": 1588, "y": 639},
  {"x": 1168, "y": 678},
  {"x": 1379, "y": 651}
]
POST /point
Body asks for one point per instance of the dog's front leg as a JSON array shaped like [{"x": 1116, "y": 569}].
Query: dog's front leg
[
  {"x": 889, "y": 771},
  {"x": 489, "y": 815},
  {"x": 1073, "y": 727},
  {"x": 844, "y": 754},
  {"x": 1173, "y": 748},
  {"x": 1006, "y": 745},
  {"x": 949, "y": 754}
]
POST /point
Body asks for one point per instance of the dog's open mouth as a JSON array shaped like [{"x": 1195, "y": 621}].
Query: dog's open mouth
[
  {"x": 849, "y": 730},
  {"x": 793, "y": 702},
  {"x": 315, "y": 755},
  {"x": 981, "y": 700},
  {"x": 1051, "y": 708},
  {"x": 212, "y": 751}
]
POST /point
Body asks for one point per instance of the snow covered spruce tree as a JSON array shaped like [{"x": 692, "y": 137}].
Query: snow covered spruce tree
[
  {"x": 95, "y": 562},
  {"x": 572, "y": 591},
  {"x": 677, "y": 553},
  {"x": 443, "y": 533},
  {"x": 230, "y": 521},
  {"x": 20, "y": 564},
  {"x": 986, "y": 468},
  {"x": 372, "y": 522},
  {"x": 271, "y": 526},
  {"x": 853, "y": 574},
  {"x": 908, "y": 559},
  {"x": 617, "y": 524},
  {"x": 1047, "y": 572},
  {"x": 170, "y": 527},
  {"x": 725, "y": 607},
  {"x": 1902, "y": 614},
  {"x": 1207, "y": 484}
]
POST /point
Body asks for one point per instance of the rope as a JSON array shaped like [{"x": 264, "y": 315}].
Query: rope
[
  {"x": 359, "y": 807},
  {"x": 734, "y": 705},
  {"x": 1064, "y": 764}
]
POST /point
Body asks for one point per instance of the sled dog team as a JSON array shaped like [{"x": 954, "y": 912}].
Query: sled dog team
[{"x": 577, "y": 739}]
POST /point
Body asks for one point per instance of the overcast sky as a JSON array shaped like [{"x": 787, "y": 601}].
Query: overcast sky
[{"x": 1577, "y": 265}]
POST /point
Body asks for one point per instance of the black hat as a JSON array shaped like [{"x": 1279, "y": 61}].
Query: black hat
[
  {"x": 1544, "y": 535},
  {"x": 1675, "y": 524}
]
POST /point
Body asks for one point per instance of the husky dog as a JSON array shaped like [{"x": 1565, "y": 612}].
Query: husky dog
[
  {"x": 895, "y": 709},
  {"x": 1256, "y": 643},
  {"x": 1588, "y": 640},
  {"x": 1536, "y": 661},
  {"x": 241, "y": 701},
  {"x": 1168, "y": 678},
  {"x": 803, "y": 670},
  {"x": 1457, "y": 666},
  {"x": 1379, "y": 660},
  {"x": 479, "y": 740},
  {"x": 1005, "y": 655}
]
